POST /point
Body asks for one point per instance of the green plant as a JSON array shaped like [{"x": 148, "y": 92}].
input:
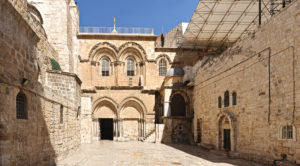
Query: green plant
[{"x": 55, "y": 65}]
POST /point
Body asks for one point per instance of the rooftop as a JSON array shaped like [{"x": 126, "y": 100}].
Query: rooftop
[{"x": 116, "y": 30}]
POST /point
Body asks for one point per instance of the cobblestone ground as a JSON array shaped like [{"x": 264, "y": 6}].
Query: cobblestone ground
[{"x": 108, "y": 153}]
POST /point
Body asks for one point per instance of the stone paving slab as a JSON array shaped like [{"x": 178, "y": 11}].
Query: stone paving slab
[{"x": 109, "y": 153}]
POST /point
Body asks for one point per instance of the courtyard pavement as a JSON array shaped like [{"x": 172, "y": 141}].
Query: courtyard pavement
[{"x": 109, "y": 153}]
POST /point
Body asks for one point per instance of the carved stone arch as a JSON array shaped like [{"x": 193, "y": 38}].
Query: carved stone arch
[
  {"x": 165, "y": 56},
  {"x": 105, "y": 102},
  {"x": 103, "y": 48},
  {"x": 134, "y": 49},
  {"x": 232, "y": 122},
  {"x": 135, "y": 102},
  {"x": 182, "y": 93},
  {"x": 187, "y": 101}
]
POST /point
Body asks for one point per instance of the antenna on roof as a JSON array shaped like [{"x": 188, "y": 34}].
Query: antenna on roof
[{"x": 114, "y": 31}]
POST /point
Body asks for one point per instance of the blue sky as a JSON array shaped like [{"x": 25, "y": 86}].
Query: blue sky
[{"x": 157, "y": 14}]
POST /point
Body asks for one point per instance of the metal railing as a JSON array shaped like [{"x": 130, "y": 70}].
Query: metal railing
[{"x": 117, "y": 30}]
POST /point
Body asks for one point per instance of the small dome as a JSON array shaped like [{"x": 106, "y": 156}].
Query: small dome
[{"x": 175, "y": 72}]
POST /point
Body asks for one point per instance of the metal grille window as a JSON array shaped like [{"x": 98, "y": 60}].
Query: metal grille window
[
  {"x": 199, "y": 131},
  {"x": 226, "y": 99},
  {"x": 234, "y": 98},
  {"x": 162, "y": 67},
  {"x": 61, "y": 114},
  {"x": 21, "y": 106},
  {"x": 105, "y": 67},
  {"x": 130, "y": 67},
  {"x": 287, "y": 132},
  {"x": 219, "y": 102}
]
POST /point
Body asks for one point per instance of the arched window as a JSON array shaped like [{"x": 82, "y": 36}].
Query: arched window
[
  {"x": 130, "y": 67},
  {"x": 162, "y": 67},
  {"x": 178, "y": 106},
  {"x": 105, "y": 67},
  {"x": 226, "y": 99},
  {"x": 61, "y": 114},
  {"x": 234, "y": 98},
  {"x": 219, "y": 102},
  {"x": 21, "y": 103}
]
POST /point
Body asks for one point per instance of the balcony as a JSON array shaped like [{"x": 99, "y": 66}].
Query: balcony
[{"x": 117, "y": 30}]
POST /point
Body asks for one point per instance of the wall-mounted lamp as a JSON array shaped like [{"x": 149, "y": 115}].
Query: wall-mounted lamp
[{"x": 24, "y": 81}]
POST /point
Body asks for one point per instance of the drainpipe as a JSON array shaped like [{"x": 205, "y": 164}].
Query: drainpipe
[
  {"x": 269, "y": 71},
  {"x": 259, "y": 12}
]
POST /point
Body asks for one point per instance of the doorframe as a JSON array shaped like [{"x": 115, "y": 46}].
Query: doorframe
[
  {"x": 113, "y": 127},
  {"x": 233, "y": 130}
]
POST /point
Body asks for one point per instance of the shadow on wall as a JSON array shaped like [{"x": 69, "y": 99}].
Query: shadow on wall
[{"x": 24, "y": 140}]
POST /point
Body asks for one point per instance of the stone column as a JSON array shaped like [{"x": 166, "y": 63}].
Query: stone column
[
  {"x": 121, "y": 129},
  {"x": 139, "y": 129},
  {"x": 167, "y": 108},
  {"x": 86, "y": 131},
  {"x": 143, "y": 128}
]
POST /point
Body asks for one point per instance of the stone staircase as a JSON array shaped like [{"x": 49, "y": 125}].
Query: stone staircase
[{"x": 150, "y": 136}]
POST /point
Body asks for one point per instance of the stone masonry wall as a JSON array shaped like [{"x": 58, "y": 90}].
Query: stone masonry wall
[
  {"x": 245, "y": 68},
  {"x": 62, "y": 37},
  {"x": 24, "y": 53}
]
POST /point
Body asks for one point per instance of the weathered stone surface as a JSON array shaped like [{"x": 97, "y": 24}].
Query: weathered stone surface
[{"x": 267, "y": 91}]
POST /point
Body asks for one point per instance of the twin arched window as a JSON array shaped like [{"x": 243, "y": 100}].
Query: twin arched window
[
  {"x": 234, "y": 98},
  {"x": 162, "y": 67},
  {"x": 105, "y": 67},
  {"x": 21, "y": 103},
  {"x": 227, "y": 99},
  {"x": 130, "y": 67},
  {"x": 219, "y": 102}
]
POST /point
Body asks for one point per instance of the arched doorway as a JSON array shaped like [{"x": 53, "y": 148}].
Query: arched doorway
[
  {"x": 178, "y": 106},
  {"x": 132, "y": 120},
  {"x": 226, "y": 133},
  {"x": 104, "y": 121}
]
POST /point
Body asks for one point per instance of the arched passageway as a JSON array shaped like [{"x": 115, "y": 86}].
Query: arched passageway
[
  {"x": 105, "y": 121},
  {"x": 178, "y": 106}
]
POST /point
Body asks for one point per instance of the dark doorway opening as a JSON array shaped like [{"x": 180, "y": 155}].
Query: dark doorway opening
[
  {"x": 227, "y": 139},
  {"x": 106, "y": 129},
  {"x": 178, "y": 106}
]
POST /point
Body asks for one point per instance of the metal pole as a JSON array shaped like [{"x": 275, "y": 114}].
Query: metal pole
[{"x": 259, "y": 12}]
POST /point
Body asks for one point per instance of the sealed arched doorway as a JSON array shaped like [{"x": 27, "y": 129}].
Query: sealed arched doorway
[
  {"x": 178, "y": 105},
  {"x": 132, "y": 120}
]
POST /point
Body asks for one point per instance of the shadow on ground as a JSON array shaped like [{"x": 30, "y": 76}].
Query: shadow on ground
[{"x": 210, "y": 156}]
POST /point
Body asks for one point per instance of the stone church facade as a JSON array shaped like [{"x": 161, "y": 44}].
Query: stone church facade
[{"x": 61, "y": 87}]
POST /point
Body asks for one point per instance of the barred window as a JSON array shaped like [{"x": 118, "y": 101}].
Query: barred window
[
  {"x": 21, "y": 103},
  {"x": 234, "y": 98},
  {"x": 162, "y": 67},
  {"x": 287, "y": 132},
  {"x": 219, "y": 102},
  {"x": 130, "y": 67},
  {"x": 61, "y": 114},
  {"x": 226, "y": 99},
  {"x": 105, "y": 67}
]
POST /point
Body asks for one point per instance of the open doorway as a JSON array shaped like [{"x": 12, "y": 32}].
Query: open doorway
[{"x": 106, "y": 129}]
